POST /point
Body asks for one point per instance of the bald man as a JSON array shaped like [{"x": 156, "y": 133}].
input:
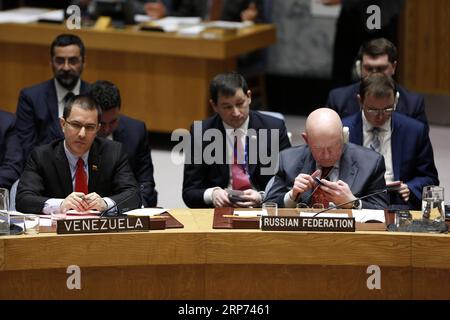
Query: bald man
[{"x": 346, "y": 171}]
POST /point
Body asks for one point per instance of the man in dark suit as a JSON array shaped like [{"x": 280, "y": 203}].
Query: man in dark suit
[
  {"x": 131, "y": 133},
  {"x": 11, "y": 158},
  {"x": 352, "y": 171},
  {"x": 403, "y": 141},
  {"x": 378, "y": 55},
  {"x": 243, "y": 142},
  {"x": 80, "y": 172},
  {"x": 40, "y": 106}
]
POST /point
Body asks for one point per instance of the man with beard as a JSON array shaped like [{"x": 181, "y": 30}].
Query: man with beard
[{"x": 40, "y": 106}]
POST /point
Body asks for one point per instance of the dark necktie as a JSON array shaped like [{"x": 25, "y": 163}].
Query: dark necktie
[
  {"x": 67, "y": 97},
  {"x": 81, "y": 184},
  {"x": 318, "y": 196},
  {"x": 375, "y": 144},
  {"x": 239, "y": 176}
]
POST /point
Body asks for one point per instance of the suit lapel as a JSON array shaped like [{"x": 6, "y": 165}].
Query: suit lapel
[
  {"x": 357, "y": 136},
  {"x": 347, "y": 168},
  {"x": 396, "y": 147},
  {"x": 255, "y": 124},
  {"x": 62, "y": 168},
  {"x": 224, "y": 170},
  {"x": 93, "y": 166}
]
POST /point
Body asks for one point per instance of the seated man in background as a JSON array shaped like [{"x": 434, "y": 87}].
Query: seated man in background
[
  {"x": 353, "y": 171},
  {"x": 131, "y": 133},
  {"x": 80, "y": 172},
  {"x": 377, "y": 55},
  {"x": 11, "y": 157},
  {"x": 403, "y": 141},
  {"x": 40, "y": 106},
  {"x": 245, "y": 136}
]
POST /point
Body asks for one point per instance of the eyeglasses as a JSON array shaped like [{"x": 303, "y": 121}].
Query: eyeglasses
[
  {"x": 90, "y": 127},
  {"x": 60, "y": 61},
  {"x": 379, "y": 111}
]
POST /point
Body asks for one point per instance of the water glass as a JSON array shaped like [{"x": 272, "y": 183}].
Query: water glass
[
  {"x": 4, "y": 214},
  {"x": 270, "y": 208},
  {"x": 433, "y": 204},
  {"x": 31, "y": 224}
]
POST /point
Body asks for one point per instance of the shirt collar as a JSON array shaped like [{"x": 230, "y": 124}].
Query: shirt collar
[
  {"x": 367, "y": 126},
  {"x": 61, "y": 91},
  {"x": 73, "y": 159},
  {"x": 243, "y": 127}
]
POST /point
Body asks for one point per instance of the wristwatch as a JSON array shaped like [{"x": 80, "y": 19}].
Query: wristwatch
[
  {"x": 263, "y": 195},
  {"x": 357, "y": 204}
]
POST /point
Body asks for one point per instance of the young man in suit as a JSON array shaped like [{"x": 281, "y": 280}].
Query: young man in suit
[
  {"x": 131, "y": 133},
  {"x": 403, "y": 141},
  {"x": 80, "y": 172},
  {"x": 11, "y": 158},
  {"x": 40, "y": 106},
  {"x": 352, "y": 171},
  {"x": 243, "y": 139},
  {"x": 377, "y": 55}
]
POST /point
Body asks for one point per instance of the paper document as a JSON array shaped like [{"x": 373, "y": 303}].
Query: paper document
[
  {"x": 365, "y": 215},
  {"x": 250, "y": 214},
  {"x": 145, "y": 212},
  {"x": 21, "y": 15},
  {"x": 323, "y": 215}
]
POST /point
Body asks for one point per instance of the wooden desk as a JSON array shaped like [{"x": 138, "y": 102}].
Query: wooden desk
[
  {"x": 198, "y": 262},
  {"x": 163, "y": 78}
]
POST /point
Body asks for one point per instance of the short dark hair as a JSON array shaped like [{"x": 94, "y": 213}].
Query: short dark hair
[
  {"x": 84, "y": 102},
  {"x": 378, "y": 47},
  {"x": 378, "y": 85},
  {"x": 226, "y": 84},
  {"x": 106, "y": 94},
  {"x": 64, "y": 40}
]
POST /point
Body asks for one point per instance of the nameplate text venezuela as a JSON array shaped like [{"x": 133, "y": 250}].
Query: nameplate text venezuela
[
  {"x": 103, "y": 225},
  {"x": 279, "y": 223}
]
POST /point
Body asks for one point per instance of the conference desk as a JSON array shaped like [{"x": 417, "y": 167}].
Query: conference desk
[
  {"x": 163, "y": 77},
  {"x": 198, "y": 262}
]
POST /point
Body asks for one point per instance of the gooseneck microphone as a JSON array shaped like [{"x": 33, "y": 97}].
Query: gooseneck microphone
[
  {"x": 119, "y": 203},
  {"x": 339, "y": 206}
]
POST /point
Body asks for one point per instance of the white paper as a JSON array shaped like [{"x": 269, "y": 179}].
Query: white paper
[
  {"x": 21, "y": 15},
  {"x": 146, "y": 212},
  {"x": 54, "y": 15},
  {"x": 75, "y": 212},
  {"x": 324, "y": 215},
  {"x": 250, "y": 214},
  {"x": 368, "y": 214},
  {"x": 191, "y": 31},
  {"x": 228, "y": 24}
]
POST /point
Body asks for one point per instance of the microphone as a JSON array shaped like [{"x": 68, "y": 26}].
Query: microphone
[
  {"x": 392, "y": 188},
  {"x": 118, "y": 204}
]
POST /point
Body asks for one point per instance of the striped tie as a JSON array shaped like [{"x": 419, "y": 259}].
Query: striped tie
[{"x": 375, "y": 145}]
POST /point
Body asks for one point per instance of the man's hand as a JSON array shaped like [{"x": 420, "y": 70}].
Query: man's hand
[
  {"x": 404, "y": 191},
  {"x": 302, "y": 183},
  {"x": 251, "y": 13},
  {"x": 220, "y": 198},
  {"x": 155, "y": 10},
  {"x": 74, "y": 201},
  {"x": 251, "y": 198},
  {"x": 95, "y": 202},
  {"x": 337, "y": 192}
]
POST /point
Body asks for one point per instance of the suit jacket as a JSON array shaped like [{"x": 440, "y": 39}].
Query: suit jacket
[
  {"x": 37, "y": 115},
  {"x": 345, "y": 102},
  {"x": 199, "y": 177},
  {"x": 412, "y": 154},
  {"x": 362, "y": 169},
  {"x": 231, "y": 10},
  {"x": 47, "y": 175},
  {"x": 134, "y": 138},
  {"x": 11, "y": 158}
]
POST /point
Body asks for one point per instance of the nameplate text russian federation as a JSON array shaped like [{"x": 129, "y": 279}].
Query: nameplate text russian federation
[
  {"x": 103, "y": 225},
  {"x": 279, "y": 223}
]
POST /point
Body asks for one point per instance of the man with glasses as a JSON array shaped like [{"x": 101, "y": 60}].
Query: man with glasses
[
  {"x": 377, "y": 55},
  {"x": 346, "y": 171},
  {"x": 40, "y": 106},
  {"x": 403, "y": 141},
  {"x": 80, "y": 172},
  {"x": 131, "y": 133}
]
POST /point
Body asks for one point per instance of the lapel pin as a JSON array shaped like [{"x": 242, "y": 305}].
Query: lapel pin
[{"x": 94, "y": 167}]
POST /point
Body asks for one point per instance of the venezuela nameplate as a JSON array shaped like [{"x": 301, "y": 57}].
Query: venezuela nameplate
[{"x": 103, "y": 225}]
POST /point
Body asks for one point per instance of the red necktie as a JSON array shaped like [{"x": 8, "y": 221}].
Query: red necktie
[
  {"x": 318, "y": 196},
  {"x": 81, "y": 184},
  {"x": 238, "y": 172}
]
